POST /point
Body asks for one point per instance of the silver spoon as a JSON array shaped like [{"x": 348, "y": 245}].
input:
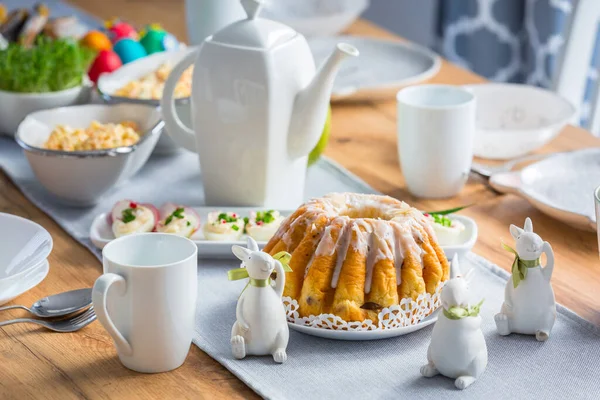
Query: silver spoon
[
  {"x": 58, "y": 305},
  {"x": 72, "y": 324}
]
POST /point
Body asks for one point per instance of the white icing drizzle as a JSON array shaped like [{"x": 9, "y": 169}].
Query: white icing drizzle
[
  {"x": 342, "y": 249},
  {"x": 393, "y": 230}
]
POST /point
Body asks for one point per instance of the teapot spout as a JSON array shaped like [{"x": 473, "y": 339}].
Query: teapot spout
[{"x": 311, "y": 104}]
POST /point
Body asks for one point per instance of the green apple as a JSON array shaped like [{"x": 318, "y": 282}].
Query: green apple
[{"x": 318, "y": 150}]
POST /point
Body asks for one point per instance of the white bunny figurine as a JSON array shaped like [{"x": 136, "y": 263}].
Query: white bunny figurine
[
  {"x": 260, "y": 327},
  {"x": 529, "y": 306},
  {"x": 457, "y": 349}
]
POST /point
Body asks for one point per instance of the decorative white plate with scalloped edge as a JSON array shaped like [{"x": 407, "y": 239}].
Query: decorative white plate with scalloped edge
[
  {"x": 364, "y": 335},
  {"x": 397, "y": 320}
]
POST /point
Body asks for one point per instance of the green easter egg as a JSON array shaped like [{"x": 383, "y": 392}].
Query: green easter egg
[{"x": 153, "y": 41}]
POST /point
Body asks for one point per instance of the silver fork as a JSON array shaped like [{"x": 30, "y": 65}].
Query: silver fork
[{"x": 64, "y": 325}]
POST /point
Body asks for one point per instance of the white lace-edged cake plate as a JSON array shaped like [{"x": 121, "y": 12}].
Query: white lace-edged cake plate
[
  {"x": 383, "y": 67},
  {"x": 364, "y": 335},
  {"x": 101, "y": 232},
  {"x": 561, "y": 186}
]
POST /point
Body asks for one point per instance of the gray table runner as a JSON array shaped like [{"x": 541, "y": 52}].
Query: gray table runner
[{"x": 565, "y": 367}]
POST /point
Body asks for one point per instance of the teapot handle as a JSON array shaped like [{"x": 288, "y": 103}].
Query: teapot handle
[{"x": 176, "y": 129}]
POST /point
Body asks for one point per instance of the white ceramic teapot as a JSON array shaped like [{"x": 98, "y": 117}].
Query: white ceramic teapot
[{"x": 258, "y": 109}]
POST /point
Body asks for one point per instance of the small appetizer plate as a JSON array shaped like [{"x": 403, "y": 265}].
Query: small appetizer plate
[
  {"x": 101, "y": 232},
  {"x": 364, "y": 335},
  {"x": 560, "y": 186},
  {"x": 466, "y": 239}
]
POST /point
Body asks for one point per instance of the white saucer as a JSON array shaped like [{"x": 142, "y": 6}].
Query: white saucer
[
  {"x": 364, "y": 335},
  {"x": 10, "y": 289}
]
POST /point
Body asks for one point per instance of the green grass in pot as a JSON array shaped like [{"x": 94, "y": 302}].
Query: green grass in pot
[{"x": 49, "y": 66}]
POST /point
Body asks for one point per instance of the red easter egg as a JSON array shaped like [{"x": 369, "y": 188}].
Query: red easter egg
[
  {"x": 122, "y": 30},
  {"x": 106, "y": 61}
]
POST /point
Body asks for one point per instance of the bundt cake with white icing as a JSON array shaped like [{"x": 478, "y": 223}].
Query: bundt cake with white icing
[{"x": 354, "y": 254}]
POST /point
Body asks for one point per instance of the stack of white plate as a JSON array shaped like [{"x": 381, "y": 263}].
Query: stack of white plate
[{"x": 24, "y": 249}]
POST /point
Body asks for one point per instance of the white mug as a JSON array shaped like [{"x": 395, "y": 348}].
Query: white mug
[
  {"x": 146, "y": 299},
  {"x": 205, "y": 17},
  {"x": 436, "y": 127}
]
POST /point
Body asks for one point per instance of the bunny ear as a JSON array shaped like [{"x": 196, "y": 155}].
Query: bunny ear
[
  {"x": 469, "y": 275},
  {"x": 252, "y": 245},
  {"x": 240, "y": 252},
  {"x": 454, "y": 267},
  {"x": 515, "y": 231},
  {"x": 528, "y": 225}
]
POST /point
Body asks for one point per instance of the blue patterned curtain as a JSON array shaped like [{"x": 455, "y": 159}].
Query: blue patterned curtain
[{"x": 510, "y": 40}]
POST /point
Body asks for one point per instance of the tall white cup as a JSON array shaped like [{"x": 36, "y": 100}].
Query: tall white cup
[
  {"x": 146, "y": 299},
  {"x": 436, "y": 126},
  {"x": 205, "y": 17}
]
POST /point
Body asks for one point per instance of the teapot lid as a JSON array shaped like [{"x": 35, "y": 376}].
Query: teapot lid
[{"x": 254, "y": 32}]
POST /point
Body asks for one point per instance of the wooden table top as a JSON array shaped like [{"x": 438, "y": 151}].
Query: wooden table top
[{"x": 37, "y": 363}]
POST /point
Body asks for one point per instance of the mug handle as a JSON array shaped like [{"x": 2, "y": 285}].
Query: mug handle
[
  {"x": 182, "y": 135},
  {"x": 103, "y": 283}
]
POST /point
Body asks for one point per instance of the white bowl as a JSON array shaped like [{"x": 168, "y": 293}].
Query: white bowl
[
  {"x": 316, "y": 17},
  {"x": 513, "y": 119},
  {"x": 23, "y": 241},
  {"x": 80, "y": 178},
  {"x": 109, "y": 83},
  {"x": 467, "y": 239},
  {"x": 15, "y": 106}
]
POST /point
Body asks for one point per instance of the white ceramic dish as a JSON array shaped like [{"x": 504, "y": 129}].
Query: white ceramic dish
[
  {"x": 316, "y": 17},
  {"x": 364, "y": 335},
  {"x": 468, "y": 237},
  {"x": 561, "y": 186},
  {"x": 383, "y": 67},
  {"x": 109, "y": 83},
  {"x": 101, "y": 233},
  {"x": 80, "y": 178},
  {"x": 16, "y": 106},
  {"x": 15, "y": 288},
  {"x": 513, "y": 119},
  {"x": 23, "y": 241}
]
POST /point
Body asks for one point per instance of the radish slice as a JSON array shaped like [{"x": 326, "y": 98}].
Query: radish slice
[{"x": 178, "y": 220}]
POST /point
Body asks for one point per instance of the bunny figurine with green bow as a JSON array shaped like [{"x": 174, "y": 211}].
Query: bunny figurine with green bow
[
  {"x": 529, "y": 307},
  {"x": 261, "y": 325}
]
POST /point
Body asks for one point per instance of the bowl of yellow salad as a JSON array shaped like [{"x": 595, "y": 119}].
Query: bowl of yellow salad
[
  {"x": 79, "y": 153},
  {"x": 142, "y": 82}
]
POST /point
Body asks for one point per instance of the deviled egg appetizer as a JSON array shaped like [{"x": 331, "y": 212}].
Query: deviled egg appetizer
[
  {"x": 262, "y": 225},
  {"x": 223, "y": 226},
  {"x": 128, "y": 217},
  {"x": 448, "y": 231},
  {"x": 178, "y": 220}
]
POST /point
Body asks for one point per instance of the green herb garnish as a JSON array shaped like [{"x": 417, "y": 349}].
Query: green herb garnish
[
  {"x": 442, "y": 220},
  {"x": 235, "y": 227},
  {"x": 188, "y": 223},
  {"x": 49, "y": 66},
  {"x": 175, "y": 214},
  {"x": 265, "y": 216},
  {"x": 128, "y": 215},
  {"x": 226, "y": 218},
  {"x": 448, "y": 211}
]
